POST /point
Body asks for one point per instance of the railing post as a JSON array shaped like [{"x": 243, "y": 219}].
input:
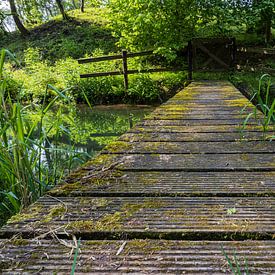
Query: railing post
[
  {"x": 234, "y": 53},
  {"x": 125, "y": 70},
  {"x": 190, "y": 60}
]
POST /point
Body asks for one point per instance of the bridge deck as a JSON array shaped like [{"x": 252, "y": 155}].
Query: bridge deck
[{"x": 178, "y": 193}]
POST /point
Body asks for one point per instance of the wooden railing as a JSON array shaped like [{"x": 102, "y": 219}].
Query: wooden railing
[
  {"x": 224, "y": 47},
  {"x": 125, "y": 71}
]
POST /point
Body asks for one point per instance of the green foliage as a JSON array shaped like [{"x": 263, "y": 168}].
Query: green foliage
[
  {"x": 166, "y": 26},
  {"x": 162, "y": 25},
  {"x": 261, "y": 18},
  {"x": 234, "y": 264},
  {"x": 265, "y": 102},
  {"x": 30, "y": 162},
  {"x": 144, "y": 90}
]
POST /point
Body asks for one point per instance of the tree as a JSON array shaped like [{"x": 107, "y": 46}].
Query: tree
[
  {"x": 167, "y": 25},
  {"x": 263, "y": 12},
  {"x": 62, "y": 11},
  {"x": 16, "y": 19},
  {"x": 82, "y": 5}
]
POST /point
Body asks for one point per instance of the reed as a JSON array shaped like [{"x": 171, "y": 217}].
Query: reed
[
  {"x": 265, "y": 103},
  {"x": 30, "y": 162}
]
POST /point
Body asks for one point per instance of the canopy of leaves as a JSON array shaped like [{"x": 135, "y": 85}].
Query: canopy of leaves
[{"x": 167, "y": 25}]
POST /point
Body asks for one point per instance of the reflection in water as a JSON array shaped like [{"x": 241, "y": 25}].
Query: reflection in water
[{"x": 97, "y": 127}]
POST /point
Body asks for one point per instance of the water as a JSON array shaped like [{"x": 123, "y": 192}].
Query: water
[{"x": 101, "y": 125}]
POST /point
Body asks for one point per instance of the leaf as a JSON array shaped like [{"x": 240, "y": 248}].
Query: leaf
[{"x": 231, "y": 211}]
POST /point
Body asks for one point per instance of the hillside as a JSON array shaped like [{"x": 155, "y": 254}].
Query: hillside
[{"x": 58, "y": 39}]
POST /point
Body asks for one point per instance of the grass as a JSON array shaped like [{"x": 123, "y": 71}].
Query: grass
[
  {"x": 265, "y": 103},
  {"x": 235, "y": 265}
]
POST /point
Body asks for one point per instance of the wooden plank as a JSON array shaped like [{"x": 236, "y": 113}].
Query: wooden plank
[
  {"x": 200, "y": 129},
  {"x": 141, "y": 183},
  {"x": 194, "y": 116},
  {"x": 99, "y": 74},
  {"x": 202, "y": 109},
  {"x": 205, "y": 101},
  {"x": 112, "y": 57},
  {"x": 195, "y": 122},
  {"x": 98, "y": 59},
  {"x": 136, "y": 257},
  {"x": 176, "y": 217},
  {"x": 115, "y": 73},
  {"x": 199, "y": 162},
  {"x": 183, "y": 162},
  {"x": 120, "y": 147},
  {"x": 195, "y": 136}
]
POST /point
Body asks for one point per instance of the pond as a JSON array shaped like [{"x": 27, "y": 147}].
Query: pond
[
  {"x": 95, "y": 128},
  {"x": 103, "y": 124}
]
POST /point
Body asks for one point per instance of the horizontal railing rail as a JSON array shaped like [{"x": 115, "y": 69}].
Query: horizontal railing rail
[{"x": 125, "y": 72}]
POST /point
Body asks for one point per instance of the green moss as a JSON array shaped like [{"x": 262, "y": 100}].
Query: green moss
[
  {"x": 100, "y": 160},
  {"x": 116, "y": 173},
  {"x": 67, "y": 188},
  {"x": 97, "y": 202},
  {"x": 240, "y": 102},
  {"x": 110, "y": 222},
  {"x": 81, "y": 225},
  {"x": 32, "y": 213},
  {"x": 118, "y": 146},
  {"x": 35, "y": 255},
  {"x": 56, "y": 211},
  {"x": 20, "y": 242}
]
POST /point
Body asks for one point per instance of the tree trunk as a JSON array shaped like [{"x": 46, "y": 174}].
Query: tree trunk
[
  {"x": 82, "y": 5},
  {"x": 74, "y": 5},
  {"x": 62, "y": 11},
  {"x": 16, "y": 19},
  {"x": 268, "y": 33}
]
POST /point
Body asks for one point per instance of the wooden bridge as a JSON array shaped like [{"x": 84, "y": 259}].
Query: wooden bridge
[{"x": 179, "y": 193}]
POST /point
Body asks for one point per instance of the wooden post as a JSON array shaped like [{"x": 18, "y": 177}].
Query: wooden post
[
  {"x": 234, "y": 53},
  {"x": 125, "y": 70},
  {"x": 190, "y": 60}
]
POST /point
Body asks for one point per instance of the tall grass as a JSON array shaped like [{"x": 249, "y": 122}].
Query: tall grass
[
  {"x": 265, "y": 103},
  {"x": 235, "y": 266},
  {"x": 29, "y": 159}
]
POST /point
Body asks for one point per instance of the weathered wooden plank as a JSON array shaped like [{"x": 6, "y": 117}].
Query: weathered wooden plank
[
  {"x": 120, "y": 147},
  {"x": 223, "y": 128},
  {"x": 210, "y": 104},
  {"x": 136, "y": 257},
  {"x": 137, "y": 183},
  {"x": 190, "y": 95},
  {"x": 194, "y": 122},
  {"x": 178, "y": 136},
  {"x": 205, "y": 108},
  {"x": 193, "y": 217},
  {"x": 112, "y": 57},
  {"x": 199, "y": 115},
  {"x": 198, "y": 162}
]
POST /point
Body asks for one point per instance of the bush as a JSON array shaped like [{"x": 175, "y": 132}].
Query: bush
[{"x": 144, "y": 90}]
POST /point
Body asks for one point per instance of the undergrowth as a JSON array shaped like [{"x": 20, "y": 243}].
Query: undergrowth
[
  {"x": 30, "y": 161},
  {"x": 265, "y": 102}
]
